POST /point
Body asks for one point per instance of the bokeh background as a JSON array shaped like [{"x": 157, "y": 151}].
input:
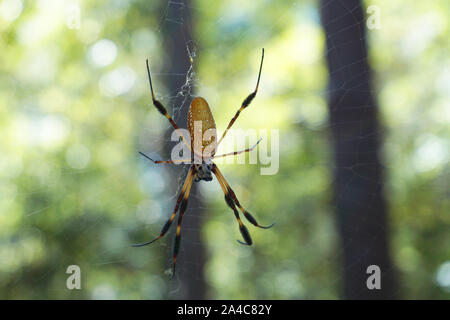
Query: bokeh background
[{"x": 75, "y": 109}]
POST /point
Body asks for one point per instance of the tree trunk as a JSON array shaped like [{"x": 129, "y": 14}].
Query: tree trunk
[
  {"x": 189, "y": 281},
  {"x": 358, "y": 174}
]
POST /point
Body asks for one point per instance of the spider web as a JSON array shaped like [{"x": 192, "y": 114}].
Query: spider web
[
  {"x": 224, "y": 55},
  {"x": 313, "y": 127},
  {"x": 296, "y": 289}
]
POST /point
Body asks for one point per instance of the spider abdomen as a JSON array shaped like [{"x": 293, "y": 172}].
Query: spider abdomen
[{"x": 202, "y": 128}]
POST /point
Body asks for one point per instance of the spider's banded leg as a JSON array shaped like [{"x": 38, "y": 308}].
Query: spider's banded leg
[
  {"x": 185, "y": 161},
  {"x": 158, "y": 105},
  {"x": 230, "y": 203},
  {"x": 230, "y": 191},
  {"x": 246, "y": 102},
  {"x": 184, "y": 203},
  {"x": 237, "y": 152},
  {"x": 166, "y": 226}
]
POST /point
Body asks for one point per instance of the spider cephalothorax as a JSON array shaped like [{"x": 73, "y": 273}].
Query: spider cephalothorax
[
  {"x": 203, "y": 172},
  {"x": 200, "y": 122}
]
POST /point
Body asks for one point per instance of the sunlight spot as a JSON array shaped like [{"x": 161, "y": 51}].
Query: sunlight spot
[
  {"x": 148, "y": 212},
  {"x": 8, "y": 258},
  {"x": 40, "y": 66},
  {"x": 11, "y": 165},
  {"x": 47, "y": 131},
  {"x": 431, "y": 153},
  {"x": 409, "y": 259},
  {"x": 224, "y": 274},
  {"x": 10, "y": 10},
  {"x": 102, "y": 53},
  {"x": 78, "y": 156},
  {"x": 152, "y": 181},
  {"x": 288, "y": 283},
  {"x": 143, "y": 40},
  {"x": 417, "y": 39},
  {"x": 104, "y": 292},
  {"x": 234, "y": 18},
  {"x": 90, "y": 31},
  {"x": 443, "y": 276},
  {"x": 443, "y": 81},
  {"x": 153, "y": 287},
  {"x": 117, "y": 82},
  {"x": 47, "y": 19},
  {"x": 308, "y": 50},
  {"x": 52, "y": 131},
  {"x": 310, "y": 110}
]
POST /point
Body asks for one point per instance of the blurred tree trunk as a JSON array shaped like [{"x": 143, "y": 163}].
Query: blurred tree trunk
[
  {"x": 189, "y": 282},
  {"x": 356, "y": 136}
]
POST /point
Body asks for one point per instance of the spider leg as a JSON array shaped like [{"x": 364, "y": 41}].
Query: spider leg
[
  {"x": 246, "y": 102},
  {"x": 230, "y": 203},
  {"x": 237, "y": 152},
  {"x": 187, "y": 183},
  {"x": 231, "y": 193},
  {"x": 184, "y": 203},
  {"x": 159, "y": 106},
  {"x": 166, "y": 161}
]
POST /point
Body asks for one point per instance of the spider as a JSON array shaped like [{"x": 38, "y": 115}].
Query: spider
[{"x": 203, "y": 168}]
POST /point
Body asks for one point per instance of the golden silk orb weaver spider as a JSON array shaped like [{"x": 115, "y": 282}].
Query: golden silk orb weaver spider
[{"x": 203, "y": 167}]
